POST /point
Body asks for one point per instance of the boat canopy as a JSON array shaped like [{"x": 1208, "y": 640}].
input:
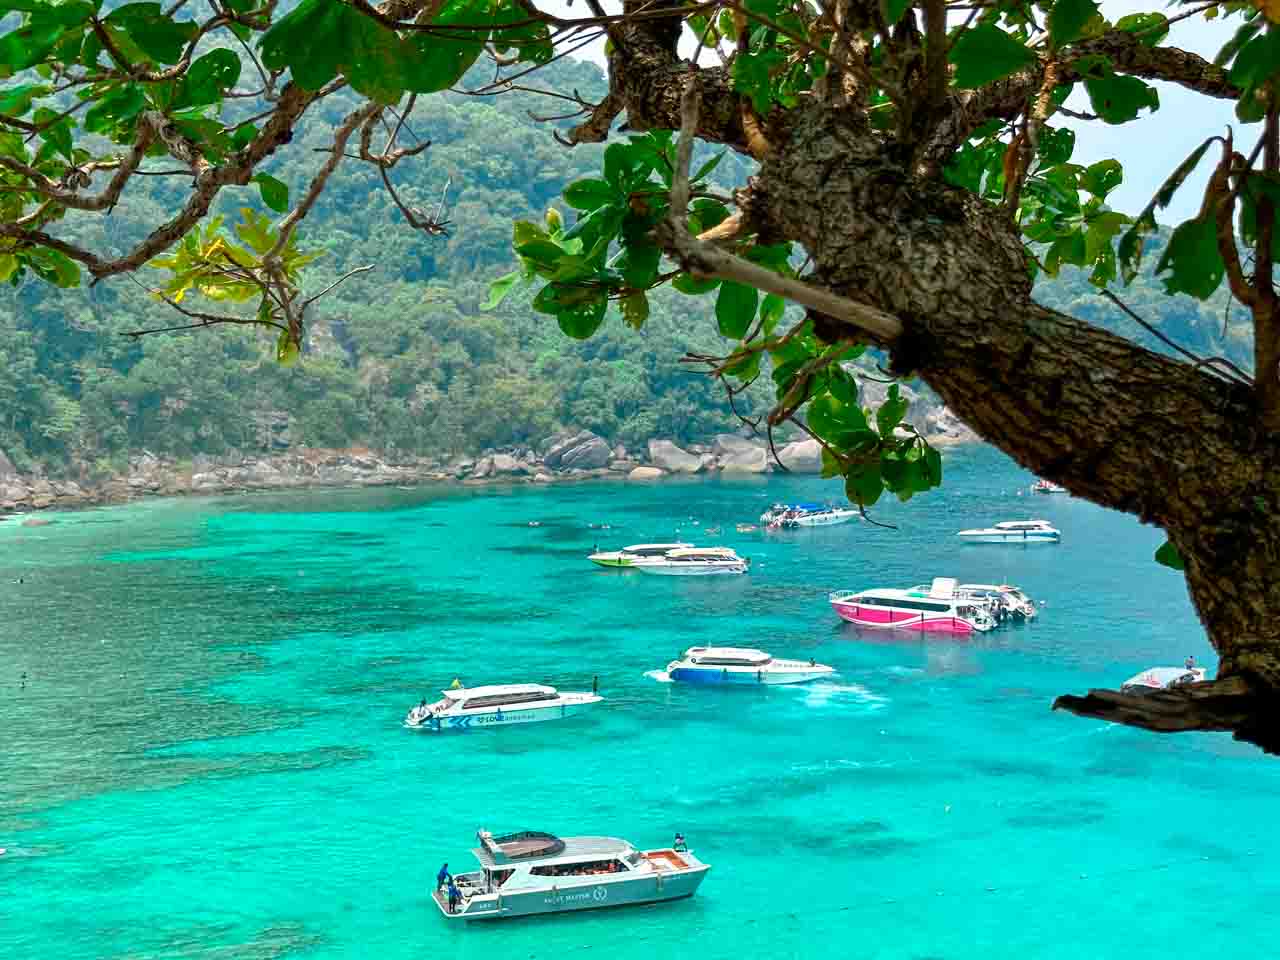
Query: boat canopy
[
  {"x": 653, "y": 549},
  {"x": 1021, "y": 524},
  {"x": 943, "y": 588},
  {"x": 699, "y": 553},
  {"x": 533, "y": 691},
  {"x": 728, "y": 656},
  {"x": 521, "y": 845}
]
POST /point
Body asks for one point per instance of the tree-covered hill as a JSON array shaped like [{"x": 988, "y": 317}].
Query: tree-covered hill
[{"x": 401, "y": 358}]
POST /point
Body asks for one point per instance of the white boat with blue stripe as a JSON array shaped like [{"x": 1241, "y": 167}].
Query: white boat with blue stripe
[
  {"x": 742, "y": 665},
  {"x": 1014, "y": 531},
  {"x": 470, "y": 708}
]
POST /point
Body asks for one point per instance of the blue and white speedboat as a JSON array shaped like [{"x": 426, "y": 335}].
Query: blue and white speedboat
[
  {"x": 470, "y": 708},
  {"x": 743, "y": 666}
]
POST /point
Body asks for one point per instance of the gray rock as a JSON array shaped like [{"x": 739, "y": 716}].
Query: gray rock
[
  {"x": 40, "y": 487},
  {"x": 7, "y": 470},
  {"x": 483, "y": 469},
  {"x": 543, "y": 478},
  {"x": 646, "y": 473},
  {"x": 505, "y": 463},
  {"x": 802, "y": 456},
  {"x": 14, "y": 492},
  {"x": 667, "y": 456},
  {"x": 731, "y": 445},
  {"x": 582, "y": 451},
  {"x": 751, "y": 460},
  {"x": 68, "y": 488}
]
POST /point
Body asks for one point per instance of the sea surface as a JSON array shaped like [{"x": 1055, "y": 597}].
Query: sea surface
[{"x": 201, "y": 750}]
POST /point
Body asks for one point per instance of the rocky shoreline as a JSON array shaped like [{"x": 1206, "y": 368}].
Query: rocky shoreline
[{"x": 569, "y": 456}]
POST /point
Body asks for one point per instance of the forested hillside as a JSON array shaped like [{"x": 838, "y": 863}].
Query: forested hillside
[{"x": 401, "y": 358}]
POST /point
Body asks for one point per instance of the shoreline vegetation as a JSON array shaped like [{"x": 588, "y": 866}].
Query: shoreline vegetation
[{"x": 568, "y": 456}]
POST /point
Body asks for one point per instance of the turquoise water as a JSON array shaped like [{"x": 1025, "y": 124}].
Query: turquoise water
[{"x": 207, "y": 759}]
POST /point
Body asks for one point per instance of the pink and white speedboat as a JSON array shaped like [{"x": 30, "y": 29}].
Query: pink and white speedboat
[{"x": 936, "y": 610}]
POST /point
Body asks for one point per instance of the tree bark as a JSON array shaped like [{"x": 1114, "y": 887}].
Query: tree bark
[{"x": 1109, "y": 420}]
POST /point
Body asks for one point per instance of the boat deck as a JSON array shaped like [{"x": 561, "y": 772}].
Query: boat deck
[{"x": 666, "y": 860}]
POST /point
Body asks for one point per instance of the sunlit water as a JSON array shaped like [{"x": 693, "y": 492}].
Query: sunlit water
[{"x": 207, "y": 758}]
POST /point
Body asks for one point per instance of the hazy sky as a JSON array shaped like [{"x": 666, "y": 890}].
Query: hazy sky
[{"x": 1149, "y": 147}]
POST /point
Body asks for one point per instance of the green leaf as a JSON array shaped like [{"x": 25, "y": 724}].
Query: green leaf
[
  {"x": 54, "y": 267},
  {"x": 1056, "y": 145},
  {"x": 639, "y": 264},
  {"x": 590, "y": 194},
  {"x": 437, "y": 62},
  {"x": 736, "y": 308},
  {"x": 17, "y": 101},
  {"x": 158, "y": 35},
  {"x": 707, "y": 167},
  {"x": 1130, "y": 252},
  {"x": 635, "y": 309},
  {"x": 985, "y": 53},
  {"x": 891, "y": 412},
  {"x": 310, "y": 41},
  {"x": 1146, "y": 24},
  {"x": 28, "y": 46},
  {"x": 1258, "y": 62},
  {"x": 1102, "y": 177},
  {"x": 1118, "y": 98},
  {"x": 274, "y": 193},
  {"x": 619, "y": 160},
  {"x": 211, "y": 75},
  {"x": 499, "y": 289},
  {"x": 1067, "y": 20},
  {"x": 693, "y": 286},
  {"x": 771, "y": 312},
  {"x": 1193, "y": 260},
  {"x": 894, "y": 9},
  {"x": 863, "y": 484},
  {"x": 119, "y": 107},
  {"x": 584, "y": 318},
  {"x": 1167, "y": 555}
]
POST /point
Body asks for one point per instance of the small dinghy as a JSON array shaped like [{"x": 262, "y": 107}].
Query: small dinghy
[{"x": 1162, "y": 678}]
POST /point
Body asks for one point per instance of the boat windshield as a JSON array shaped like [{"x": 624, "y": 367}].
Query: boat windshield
[{"x": 731, "y": 661}]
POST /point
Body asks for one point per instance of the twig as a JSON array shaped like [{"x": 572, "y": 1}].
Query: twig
[
  {"x": 346, "y": 276},
  {"x": 1236, "y": 375}
]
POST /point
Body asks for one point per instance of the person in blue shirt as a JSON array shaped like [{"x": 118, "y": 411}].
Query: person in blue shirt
[
  {"x": 455, "y": 895},
  {"x": 443, "y": 877},
  {"x": 679, "y": 845}
]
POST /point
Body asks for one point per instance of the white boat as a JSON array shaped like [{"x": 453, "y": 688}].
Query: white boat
[
  {"x": 468, "y": 708},
  {"x": 1003, "y": 600},
  {"x": 527, "y": 873},
  {"x": 1014, "y": 531},
  {"x": 695, "y": 562},
  {"x": 790, "y": 516},
  {"x": 742, "y": 665},
  {"x": 1162, "y": 678},
  {"x": 1047, "y": 486},
  {"x": 937, "y": 608},
  {"x": 635, "y": 555}
]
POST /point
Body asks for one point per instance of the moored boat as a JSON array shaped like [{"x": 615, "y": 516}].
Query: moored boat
[
  {"x": 936, "y": 609},
  {"x": 791, "y": 516},
  {"x": 635, "y": 555},
  {"x": 529, "y": 873},
  {"x": 467, "y": 708},
  {"x": 695, "y": 562},
  {"x": 742, "y": 665},
  {"x": 1013, "y": 531},
  {"x": 1047, "y": 486},
  {"x": 1162, "y": 678}
]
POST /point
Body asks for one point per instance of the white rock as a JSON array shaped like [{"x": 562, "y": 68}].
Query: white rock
[
  {"x": 646, "y": 473},
  {"x": 802, "y": 456},
  {"x": 667, "y": 456}
]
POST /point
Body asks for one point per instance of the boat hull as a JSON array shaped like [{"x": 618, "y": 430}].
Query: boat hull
[
  {"x": 1018, "y": 537},
  {"x": 880, "y": 618},
  {"x": 592, "y": 894},
  {"x": 700, "y": 570},
  {"x": 498, "y": 718},
  {"x": 720, "y": 676},
  {"x": 611, "y": 560}
]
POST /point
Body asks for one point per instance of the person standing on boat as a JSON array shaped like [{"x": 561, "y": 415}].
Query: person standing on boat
[
  {"x": 443, "y": 877},
  {"x": 1189, "y": 663},
  {"x": 679, "y": 845},
  {"x": 455, "y": 896}
]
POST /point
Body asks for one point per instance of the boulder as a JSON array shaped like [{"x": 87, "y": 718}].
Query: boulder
[
  {"x": 751, "y": 460},
  {"x": 646, "y": 473},
  {"x": 14, "y": 492},
  {"x": 505, "y": 463},
  {"x": 41, "y": 503},
  {"x": 483, "y": 469},
  {"x": 68, "y": 488},
  {"x": 582, "y": 450},
  {"x": 731, "y": 445},
  {"x": 667, "y": 456},
  {"x": 943, "y": 428},
  {"x": 802, "y": 456},
  {"x": 40, "y": 487},
  {"x": 541, "y": 477}
]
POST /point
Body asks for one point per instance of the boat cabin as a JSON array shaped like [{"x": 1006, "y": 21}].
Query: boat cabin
[
  {"x": 727, "y": 657},
  {"x": 503, "y": 695},
  {"x": 1016, "y": 525},
  {"x": 702, "y": 555},
  {"x": 652, "y": 549}
]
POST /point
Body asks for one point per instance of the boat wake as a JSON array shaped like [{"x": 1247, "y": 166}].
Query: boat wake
[
  {"x": 660, "y": 675},
  {"x": 820, "y": 694}
]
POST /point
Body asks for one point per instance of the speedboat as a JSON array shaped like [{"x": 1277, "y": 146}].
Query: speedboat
[
  {"x": 1004, "y": 601},
  {"x": 935, "y": 609},
  {"x": 1162, "y": 678},
  {"x": 790, "y": 516},
  {"x": 740, "y": 665},
  {"x": 528, "y": 873},
  {"x": 1014, "y": 531},
  {"x": 467, "y": 708},
  {"x": 695, "y": 562},
  {"x": 635, "y": 555},
  {"x": 1047, "y": 486}
]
